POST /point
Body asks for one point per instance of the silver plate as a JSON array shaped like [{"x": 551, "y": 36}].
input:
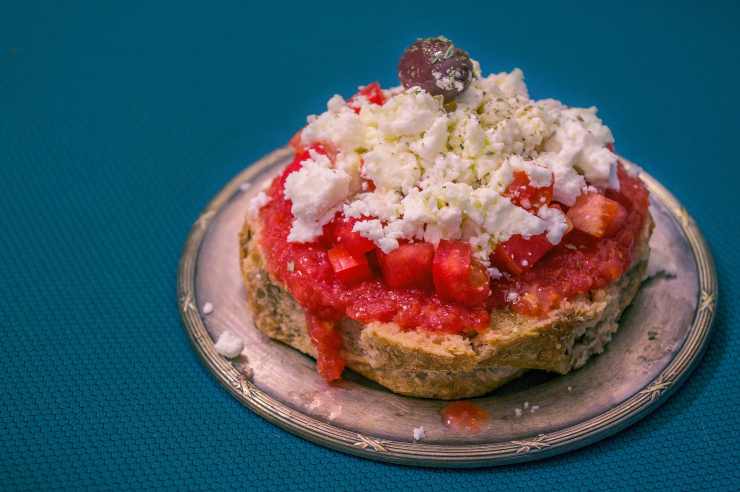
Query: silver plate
[{"x": 662, "y": 337}]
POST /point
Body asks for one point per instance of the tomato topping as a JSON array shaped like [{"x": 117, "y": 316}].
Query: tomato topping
[
  {"x": 597, "y": 215},
  {"x": 409, "y": 265},
  {"x": 349, "y": 269},
  {"x": 522, "y": 193},
  {"x": 295, "y": 142},
  {"x": 632, "y": 193},
  {"x": 457, "y": 276},
  {"x": 372, "y": 92},
  {"x": 328, "y": 343},
  {"x": 518, "y": 253},
  {"x": 350, "y": 240}
]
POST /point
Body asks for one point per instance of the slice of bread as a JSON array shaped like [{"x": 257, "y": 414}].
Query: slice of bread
[{"x": 448, "y": 366}]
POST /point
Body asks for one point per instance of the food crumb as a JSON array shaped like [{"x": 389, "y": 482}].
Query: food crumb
[
  {"x": 570, "y": 388},
  {"x": 652, "y": 335},
  {"x": 419, "y": 433},
  {"x": 229, "y": 344},
  {"x": 291, "y": 266},
  {"x": 518, "y": 412},
  {"x": 245, "y": 186},
  {"x": 207, "y": 308},
  {"x": 526, "y": 405},
  {"x": 534, "y": 408}
]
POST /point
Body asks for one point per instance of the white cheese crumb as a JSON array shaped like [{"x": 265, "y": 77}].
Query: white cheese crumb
[
  {"x": 229, "y": 344},
  {"x": 526, "y": 405},
  {"x": 256, "y": 203},
  {"x": 291, "y": 266},
  {"x": 245, "y": 186},
  {"x": 419, "y": 433},
  {"x": 556, "y": 223},
  {"x": 207, "y": 308},
  {"x": 315, "y": 190},
  {"x": 518, "y": 412},
  {"x": 570, "y": 388},
  {"x": 534, "y": 408}
]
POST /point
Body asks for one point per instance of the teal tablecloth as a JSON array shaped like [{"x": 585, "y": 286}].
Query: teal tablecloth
[{"x": 119, "y": 122}]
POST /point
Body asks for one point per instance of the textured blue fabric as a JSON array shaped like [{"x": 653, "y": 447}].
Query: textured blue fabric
[{"x": 119, "y": 122}]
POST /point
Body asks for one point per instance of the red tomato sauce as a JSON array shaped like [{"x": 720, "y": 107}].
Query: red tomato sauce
[{"x": 464, "y": 416}]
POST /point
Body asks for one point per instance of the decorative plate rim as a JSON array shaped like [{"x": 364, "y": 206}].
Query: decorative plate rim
[{"x": 485, "y": 454}]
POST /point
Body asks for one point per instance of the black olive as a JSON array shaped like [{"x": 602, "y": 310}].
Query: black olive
[{"x": 437, "y": 66}]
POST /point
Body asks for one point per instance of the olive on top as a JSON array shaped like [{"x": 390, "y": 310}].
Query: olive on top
[{"x": 437, "y": 66}]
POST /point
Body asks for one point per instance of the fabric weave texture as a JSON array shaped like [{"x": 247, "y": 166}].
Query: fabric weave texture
[{"x": 119, "y": 122}]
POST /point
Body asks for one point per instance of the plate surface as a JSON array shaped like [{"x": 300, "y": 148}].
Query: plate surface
[{"x": 662, "y": 337}]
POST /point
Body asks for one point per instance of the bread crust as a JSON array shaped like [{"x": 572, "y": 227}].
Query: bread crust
[{"x": 450, "y": 366}]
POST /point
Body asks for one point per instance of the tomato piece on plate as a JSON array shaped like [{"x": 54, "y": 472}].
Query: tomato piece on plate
[
  {"x": 348, "y": 268},
  {"x": 372, "y": 92},
  {"x": 350, "y": 240},
  {"x": 328, "y": 343},
  {"x": 522, "y": 193},
  {"x": 518, "y": 253},
  {"x": 409, "y": 265},
  {"x": 597, "y": 215},
  {"x": 457, "y": 276}
]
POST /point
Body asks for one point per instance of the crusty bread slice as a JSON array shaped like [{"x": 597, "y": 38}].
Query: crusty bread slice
[{"x": 446, "y": 366}]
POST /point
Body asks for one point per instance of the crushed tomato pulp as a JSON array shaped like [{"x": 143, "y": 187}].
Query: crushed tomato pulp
[{"x": 442, "y": 288}]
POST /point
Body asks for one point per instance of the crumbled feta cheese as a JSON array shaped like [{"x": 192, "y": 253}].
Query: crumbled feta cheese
[
  {"x": 534, "y": 408},
  {"x": 441, "y": 174},
  {"x": 207, "y": 308},
  {"x": 518, "y": 412},
  {"x": 391, "y": 168},
  {"x": 555, "y": 223},
  {"x": 245, "y": 186},
  {"x": 419, "y": 433},
  {"x": 316, "y": 190},
  {"x": 229, "y": 344}
]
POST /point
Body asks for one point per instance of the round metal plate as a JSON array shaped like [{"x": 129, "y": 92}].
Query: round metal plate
[{"x": 662, "y": 337}]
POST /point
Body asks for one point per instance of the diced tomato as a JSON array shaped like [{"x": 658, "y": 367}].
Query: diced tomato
[
  {"x": 610, "y": 146},
  {"x": 632, "y": 193},
  {"x": 518, "y": 254},
  {"x": 350, "y": 240},
  {"x": 348, "y": 268},
  {"x": 522, "y": 193},
  {"x": 328, "y": 342},
  {"x": 295, "y": 142},
  {"x": 597, "y": 215},
  {"x": 372, "y": 92},
  {"x": 457, "y": 276},
  {"x": 409, "y": 265}
]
